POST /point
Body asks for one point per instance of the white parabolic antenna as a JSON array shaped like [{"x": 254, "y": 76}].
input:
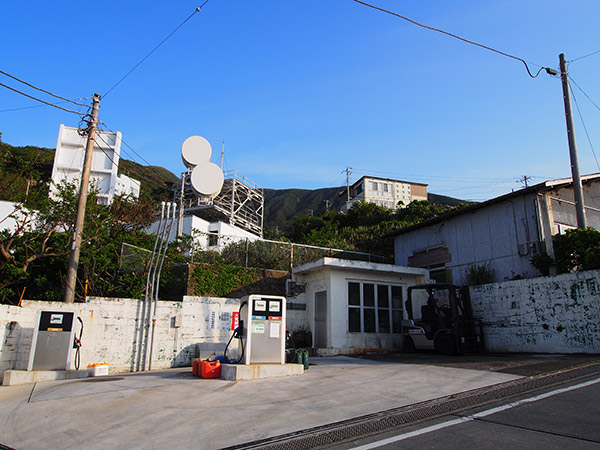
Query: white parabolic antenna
[
  {"x": 195, "y": 150},
  {"x": 206, "y": 178}
]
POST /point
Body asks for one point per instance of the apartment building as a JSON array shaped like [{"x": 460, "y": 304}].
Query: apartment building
[{"x": 385, "y": 192}]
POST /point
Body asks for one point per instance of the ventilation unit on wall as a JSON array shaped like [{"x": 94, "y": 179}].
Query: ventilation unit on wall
[{"x": 292, "y": 288}]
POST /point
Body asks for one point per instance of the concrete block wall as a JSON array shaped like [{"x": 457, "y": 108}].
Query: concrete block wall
[
  {"x": 558, "y": 314},
  {"x": 111, "y": 330}
]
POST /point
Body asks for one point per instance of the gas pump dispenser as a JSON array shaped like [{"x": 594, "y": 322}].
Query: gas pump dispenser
[
  {"x": 263, "y": 332},
  {"x": 53, "y": 339}
]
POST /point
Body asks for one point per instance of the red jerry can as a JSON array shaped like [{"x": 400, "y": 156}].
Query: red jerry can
[{"x": 210, "y": 369}]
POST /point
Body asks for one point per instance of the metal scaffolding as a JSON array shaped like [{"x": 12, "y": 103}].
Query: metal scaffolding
[{"x": 240, "y": 203}]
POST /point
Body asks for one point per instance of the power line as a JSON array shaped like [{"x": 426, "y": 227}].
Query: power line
[
  {"x": 155, "y": 48},
  {"x": 583, "y": 57},
  {"x": 508, "y": 55},
  {"x": 584, "y": 127},
  {"x": 41, "y": 101},
  {"x": 583, "y": 92},
  {"x": 99, "y": 136},
  {"x": 42, "y": 90},
  {"x": 443, "y": 178},
  {"x": 128, "y": 146},
  {"x": 37, "y": 106},
  {"x": 149, "y": 165}
]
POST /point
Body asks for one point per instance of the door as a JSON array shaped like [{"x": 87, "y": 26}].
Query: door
[{"x": 320, "y": 320}]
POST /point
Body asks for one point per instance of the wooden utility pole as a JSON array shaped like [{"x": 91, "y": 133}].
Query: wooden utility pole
[
  {"x": 69, "y": 296},
  {"x": 577, "y": 189},
  {"x": 348, "y": 172}
]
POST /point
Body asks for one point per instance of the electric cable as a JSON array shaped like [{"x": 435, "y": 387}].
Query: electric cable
[
  {"x": 583, "y": 92},
  {"x": 40, "y": 89},
  {"x": 583, "y": 57},
  {"x": 155, "y": 48},
  {"x": 151, "y": 167},
  {"x": 508, "y": 55},
  {"x": 584, "y": 127},
  {"x": 148, "y": 164},
  {"x": 42, "y": 101},
  {"x": 99, "y": 136},
  {"x": 37, "y": 106}
]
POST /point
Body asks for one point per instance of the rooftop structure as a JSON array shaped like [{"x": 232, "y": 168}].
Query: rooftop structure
[
  {"x": 384, "y": 192},
  {"x": 68, "y": 164}
]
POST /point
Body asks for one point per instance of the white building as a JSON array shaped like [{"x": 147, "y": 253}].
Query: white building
[
  {"x": 502, "y": 233},
  {"x": 385, "y": 192},
  {"x": 69, "y": 159},
  {"x": 208, "y": 235},
  {"x": 355, "y": 306}
]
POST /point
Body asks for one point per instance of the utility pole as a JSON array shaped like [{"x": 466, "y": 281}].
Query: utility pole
[
  {"x": 577, "y": 189},
  {"x": 69, "y": 296},
  {"x": 524, "y": 179},
  {"x": 348, "y": 173}
]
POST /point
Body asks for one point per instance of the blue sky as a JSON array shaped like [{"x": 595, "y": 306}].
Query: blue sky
[{"x": 298, "y": 91}]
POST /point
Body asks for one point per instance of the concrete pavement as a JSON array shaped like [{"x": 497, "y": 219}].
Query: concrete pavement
[{"x": 173, "y": 409}]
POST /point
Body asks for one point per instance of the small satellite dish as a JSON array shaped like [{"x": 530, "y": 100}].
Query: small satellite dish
[
  {"x": 195, "y": 150},
  {"x": 207, "y": 178}
]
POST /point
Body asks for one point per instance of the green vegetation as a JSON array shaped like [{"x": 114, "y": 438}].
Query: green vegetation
[
  {"x": 220, "y": 279},
  {"x": 366, "y": 227},
  {"x": 34, "y": 254},
  {"x": 25, "y": 174},
  {"x": 479, "y": 274},
  {"x": 574, "y": 251}
]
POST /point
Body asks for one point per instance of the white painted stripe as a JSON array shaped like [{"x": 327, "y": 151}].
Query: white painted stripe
[{"x": 469, "y": 418}]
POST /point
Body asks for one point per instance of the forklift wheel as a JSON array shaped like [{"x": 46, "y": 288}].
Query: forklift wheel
[
  {"x": 444, "y": 343},
  {"x": 408, "y": 345}
]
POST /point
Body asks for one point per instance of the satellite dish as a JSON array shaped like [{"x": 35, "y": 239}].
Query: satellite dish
[
  {"x": 195, "y": 150},
  {"x": 207, "y": 178}
]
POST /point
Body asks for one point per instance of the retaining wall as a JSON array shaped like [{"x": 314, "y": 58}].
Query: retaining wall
[
  {"x": 559, "y": 314},
  {"x": 112, "y": 330}
]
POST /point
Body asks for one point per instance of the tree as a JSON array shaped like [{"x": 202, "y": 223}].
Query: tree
[{"x": 34, "y": 252}]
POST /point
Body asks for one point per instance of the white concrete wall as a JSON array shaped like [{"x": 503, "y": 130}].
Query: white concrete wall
[
  {"x": 110, "y": 330},
  {"x": 558, "y": 314},
  {"x": 68, "y": 162},
  {"x": 7, "y": 209},
  {"x": 200, "y": 229}
]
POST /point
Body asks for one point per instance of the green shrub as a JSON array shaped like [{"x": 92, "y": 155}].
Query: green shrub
[
  {"x": 479, "y": 274},
  {"x": 220, "y": 279}
]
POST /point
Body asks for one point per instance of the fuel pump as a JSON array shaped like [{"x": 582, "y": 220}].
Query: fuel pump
[
  {"x": 53, "y": 339},
  {"x": 263, "y": 330}
]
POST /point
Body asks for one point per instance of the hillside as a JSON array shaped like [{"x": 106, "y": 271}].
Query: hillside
[
  {"x": 282, "y": 205},
  {"x": 30, "y": 168}
]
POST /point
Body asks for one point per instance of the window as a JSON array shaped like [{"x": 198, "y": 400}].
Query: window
[
  {"x": 354, "y": 307},
  {"x": 374, "y": 308}
]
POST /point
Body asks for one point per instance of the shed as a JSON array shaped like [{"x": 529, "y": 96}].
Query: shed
[
  {"x": 501, "y": 234},
  {"x": 355, "y": 306}
]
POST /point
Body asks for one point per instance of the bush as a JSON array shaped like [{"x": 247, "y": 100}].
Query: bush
[
  {"x": 479, "y": 274},
  {"x": 577, "y": 250}
]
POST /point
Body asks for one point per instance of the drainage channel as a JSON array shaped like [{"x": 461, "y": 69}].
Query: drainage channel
[{"x": 335, "y": 433}]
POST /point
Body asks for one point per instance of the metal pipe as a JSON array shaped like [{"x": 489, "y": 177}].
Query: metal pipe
[
  {"x": 148, "y": 287},
  {"x": 160, "y": 237},
  {"x": 161, "y": 258}
]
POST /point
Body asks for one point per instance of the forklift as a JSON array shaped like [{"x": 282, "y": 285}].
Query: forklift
[{"x": 439, "y": 316}]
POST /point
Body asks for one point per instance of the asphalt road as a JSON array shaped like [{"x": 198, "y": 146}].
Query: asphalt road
[
  {"x": 562, "y": 417},
  {"x": 338, "y": 399}
]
